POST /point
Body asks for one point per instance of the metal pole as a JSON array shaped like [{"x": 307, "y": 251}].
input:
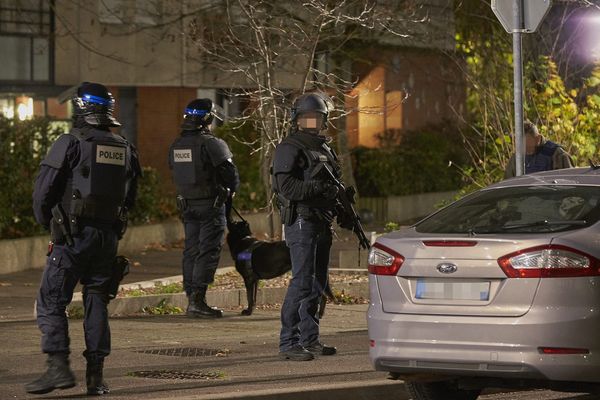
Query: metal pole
[{"x": 518, "y": 86}]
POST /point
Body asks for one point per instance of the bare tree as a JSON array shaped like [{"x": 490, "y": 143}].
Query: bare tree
[
  {"x": 276, "y": 50},
  {"x": 266, "y": 52}
]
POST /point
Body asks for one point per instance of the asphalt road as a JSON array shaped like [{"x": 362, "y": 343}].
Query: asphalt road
[{"x": 173, "y": 357}]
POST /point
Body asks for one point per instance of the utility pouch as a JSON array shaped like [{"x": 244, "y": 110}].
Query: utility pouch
[{"x": 77, "y": 210}]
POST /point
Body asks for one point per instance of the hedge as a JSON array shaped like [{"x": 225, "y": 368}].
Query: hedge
[
  {"x": 23, "y": 145},
  {"x": 410, "y": 162}
]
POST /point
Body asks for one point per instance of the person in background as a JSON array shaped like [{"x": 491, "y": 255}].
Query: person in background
[{"x": 540, "y": 154}]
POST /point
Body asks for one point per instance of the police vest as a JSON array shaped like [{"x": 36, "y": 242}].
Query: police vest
[
  {"x": 316, "y": 152},
  {"x": 193, "y": 173},
  {"x": 542, "y": 159},
  {"x": 97, "y": 187}
]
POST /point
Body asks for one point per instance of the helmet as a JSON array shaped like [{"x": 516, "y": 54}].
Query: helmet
[
  {"x": 316, "y": 102},
  {"x": 198, "y": 113},
  {"x": 95, "y": 104}
]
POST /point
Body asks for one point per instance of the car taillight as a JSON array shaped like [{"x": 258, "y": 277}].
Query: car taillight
[
  {"x": 383, "y": 260},
  {"x": 549, "y": 261},
  {"x": 562, "y": 350}
]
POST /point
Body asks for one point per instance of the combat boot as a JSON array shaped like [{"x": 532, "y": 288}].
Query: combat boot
[
  {"x": 57, "y": 376},
  {"x": 94, "y": 378},
  {"x": 198, "y": 308}
]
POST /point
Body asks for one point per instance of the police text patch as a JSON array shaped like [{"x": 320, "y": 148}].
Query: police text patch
[
  {"x": 110, "y": 155},
  {"x": 182, "y": 155}
]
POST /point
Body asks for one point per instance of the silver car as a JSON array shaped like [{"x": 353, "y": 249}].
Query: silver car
[{"x": 500, "y": 288}]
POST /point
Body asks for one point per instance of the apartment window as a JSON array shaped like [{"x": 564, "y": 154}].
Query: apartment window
[
  {"x": 25, "y": 29},
  {"x": 24, "y": 107}
]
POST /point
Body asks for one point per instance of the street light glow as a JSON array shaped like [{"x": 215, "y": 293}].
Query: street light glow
[{"x": 592, "y": 36}]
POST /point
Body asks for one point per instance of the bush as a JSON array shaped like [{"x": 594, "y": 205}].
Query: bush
[
  {"x": 410, "y": 162},
  {"x": 23, "y": 145},
  {"x": 244, "y": 141},
  {"x": 152, "y": 204}
]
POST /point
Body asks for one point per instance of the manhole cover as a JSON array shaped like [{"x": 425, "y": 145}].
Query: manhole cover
[
  {"x": 187, "y": 352},
  {"x": 171, "y": 374}
]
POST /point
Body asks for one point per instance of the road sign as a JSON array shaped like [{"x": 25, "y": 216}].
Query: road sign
[{"x": 532, "y": 14}]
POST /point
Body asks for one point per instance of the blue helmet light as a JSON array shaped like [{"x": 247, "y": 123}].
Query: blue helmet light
[
  {"x": 90, "y": 98},
  {"x": 194, "y": 111}
]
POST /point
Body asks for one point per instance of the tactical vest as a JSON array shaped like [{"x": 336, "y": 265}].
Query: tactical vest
[
  {"x": 97, "y": 187},
  {"x": 542, "y": 159},
  {"x": 194, "y": 176},
  {"x": 315, "y": 155}
]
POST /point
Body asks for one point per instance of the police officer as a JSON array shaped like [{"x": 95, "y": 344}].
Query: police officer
[
  {"x": 85, "y": 185},
  {"x": 307, "y": 206},
  {"x": 205, "y": 178},
  {"x": 540, "y": 154}
]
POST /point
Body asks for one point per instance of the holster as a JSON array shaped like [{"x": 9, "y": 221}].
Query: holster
[
  {"x": 287, "y": 210},
  {"x": 59, "y": 227},
  {"x": 121, "y": 224},
  {"x": 56, "y": 234},
  {"x": 120, "y": 268}
]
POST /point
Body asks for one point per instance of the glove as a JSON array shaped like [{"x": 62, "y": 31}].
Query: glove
[
  {"x": 344, "y": 220},
  {"x": 326, "y": 189}
]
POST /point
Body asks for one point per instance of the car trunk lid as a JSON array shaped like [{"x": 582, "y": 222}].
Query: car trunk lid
[{"x": 457, "y": 276}]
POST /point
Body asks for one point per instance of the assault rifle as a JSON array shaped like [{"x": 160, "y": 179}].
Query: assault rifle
[{"x": 345, "y": 199}]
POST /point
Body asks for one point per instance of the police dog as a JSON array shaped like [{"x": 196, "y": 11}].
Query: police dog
[{"x": 256, "y": 259}]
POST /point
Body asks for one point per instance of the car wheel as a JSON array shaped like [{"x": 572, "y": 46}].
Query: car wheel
[{"x": 445, "y": 390}]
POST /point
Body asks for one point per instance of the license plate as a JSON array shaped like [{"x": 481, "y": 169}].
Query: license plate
[{"x": 431, "y": 289}]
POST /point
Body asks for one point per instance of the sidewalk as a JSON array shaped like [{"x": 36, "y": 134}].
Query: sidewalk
[{"x": 19, "y": 290}]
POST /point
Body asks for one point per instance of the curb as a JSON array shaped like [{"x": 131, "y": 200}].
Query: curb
[
  {"x": 227, "y": 299},
  {"x": 365, "y": 390}
]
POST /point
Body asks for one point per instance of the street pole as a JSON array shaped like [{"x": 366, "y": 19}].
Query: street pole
[{"x": 518, "y": 86}]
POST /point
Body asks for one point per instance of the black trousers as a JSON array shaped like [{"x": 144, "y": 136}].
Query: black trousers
[
  {"x": 204, "y": 233},
  {"x": 309, "y": 242},
  {"x": 90, "y": 261}
]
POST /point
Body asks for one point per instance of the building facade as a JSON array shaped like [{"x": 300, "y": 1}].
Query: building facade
[{"x": 142, "y": 50}]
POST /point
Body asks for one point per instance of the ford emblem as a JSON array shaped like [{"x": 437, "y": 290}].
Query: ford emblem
[{"x": 447, "y": 268}]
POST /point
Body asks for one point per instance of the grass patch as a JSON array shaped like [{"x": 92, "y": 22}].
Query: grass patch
[
  {"x": 340, "y": 297},
  {"x": 159, "y": 288},
  {"x": 162, "y": 308},
  {"x": 75, "y": 312}
]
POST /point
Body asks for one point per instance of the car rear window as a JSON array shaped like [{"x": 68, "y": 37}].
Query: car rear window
[{"x": 525, "y": 209}]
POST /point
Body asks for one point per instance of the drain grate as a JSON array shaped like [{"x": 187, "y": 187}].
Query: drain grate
[
  {"x": 187, "y": 352},
  {"x": 173, "y": 374}
]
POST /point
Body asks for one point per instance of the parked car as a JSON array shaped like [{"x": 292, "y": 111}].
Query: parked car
[{"x": 500, "y": 288}]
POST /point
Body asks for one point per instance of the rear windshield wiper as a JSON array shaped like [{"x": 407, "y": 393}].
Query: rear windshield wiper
[{"x": 544, "y": 223}]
